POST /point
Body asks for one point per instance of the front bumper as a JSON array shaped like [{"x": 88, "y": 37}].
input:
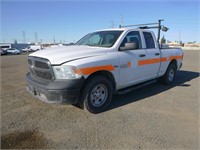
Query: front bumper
[{"x": 58, "y": 91}]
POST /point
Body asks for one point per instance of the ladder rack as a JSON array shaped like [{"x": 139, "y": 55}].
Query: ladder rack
[{"x": 150, "y": 26}]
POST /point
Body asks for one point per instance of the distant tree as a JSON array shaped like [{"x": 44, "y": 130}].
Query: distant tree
[{"x": 163, "y": 40}]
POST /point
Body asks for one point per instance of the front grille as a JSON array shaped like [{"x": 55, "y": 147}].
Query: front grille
[
  {"x": 40, "y": 69},
  {"x": 43, "y": 75},
  {"x": 42, "y": 65}
]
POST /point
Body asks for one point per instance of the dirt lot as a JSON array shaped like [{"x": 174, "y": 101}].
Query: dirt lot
[{"x": 153, "y": 117}]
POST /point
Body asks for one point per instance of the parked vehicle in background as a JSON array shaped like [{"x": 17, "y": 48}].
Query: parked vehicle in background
[
  {"x": 3, "y": 52},
  {"x": 35, "y": 47},
  {"x": 5, "y": 46},
  {"x": 20, "y": 50},
  {"x": 26, "y": 49},
  {"x": 32, "y": 48},
  {"x": 13, "y": 51}
]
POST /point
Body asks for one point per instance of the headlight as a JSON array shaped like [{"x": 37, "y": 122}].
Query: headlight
[{"x": 66, "y": 72}]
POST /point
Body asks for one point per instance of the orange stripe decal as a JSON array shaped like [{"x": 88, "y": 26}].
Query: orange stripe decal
[
  {"x": 90, "y": 70},
  {"x": 175, "y": 57},
  {"x": 149, "y": 61},
  {"x": 163, "y": 59},
  {"x": 129, "y": 64},
  {"x": 157, "y": 60}
]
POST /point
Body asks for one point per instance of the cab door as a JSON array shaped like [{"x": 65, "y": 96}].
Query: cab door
[
  {"x": 130, "y": 72},
  {"x": 153, "y": 56}
]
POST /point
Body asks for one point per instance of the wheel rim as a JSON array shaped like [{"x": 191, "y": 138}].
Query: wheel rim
[
  {"x": 171, "y": 74},
  {"x": 98, "y": 95}
]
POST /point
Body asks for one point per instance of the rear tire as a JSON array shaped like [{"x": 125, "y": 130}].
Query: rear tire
[
  {"x": 170, "y": 74},
  {"x": 96, "y": 94}
]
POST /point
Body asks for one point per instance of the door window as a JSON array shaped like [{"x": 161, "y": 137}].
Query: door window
[
  {"x": 149, "y": 40},
  {"x": 133, "y": 36}
]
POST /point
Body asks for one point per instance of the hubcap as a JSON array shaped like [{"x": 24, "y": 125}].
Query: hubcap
[
  {"x": 171, "y": 74},
  {"x": 98, "y": 95}
]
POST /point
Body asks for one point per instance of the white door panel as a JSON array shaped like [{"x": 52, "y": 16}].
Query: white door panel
[
  {"x": 154, "y": 65},
  {"x": 130, "y": 73}
]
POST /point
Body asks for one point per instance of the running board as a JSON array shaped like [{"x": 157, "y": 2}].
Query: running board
[{"x": 134, "y": 87}]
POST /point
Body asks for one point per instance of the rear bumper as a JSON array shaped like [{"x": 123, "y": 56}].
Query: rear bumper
[{"x": 58, "y": 91}]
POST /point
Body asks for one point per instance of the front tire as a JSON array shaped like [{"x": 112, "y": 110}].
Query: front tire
[{"x": 96, "y": 94}]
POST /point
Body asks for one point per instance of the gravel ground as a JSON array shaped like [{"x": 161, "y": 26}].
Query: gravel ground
[{"x": 153, "y": 117}]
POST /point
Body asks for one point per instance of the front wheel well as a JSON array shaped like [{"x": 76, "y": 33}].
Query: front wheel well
[{"x": 106, "y": 74}]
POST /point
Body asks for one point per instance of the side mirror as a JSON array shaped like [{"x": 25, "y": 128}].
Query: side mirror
[{"x": 129, "y": 46}]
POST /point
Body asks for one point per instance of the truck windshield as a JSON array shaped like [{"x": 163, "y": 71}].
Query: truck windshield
[{"x": 100, "y": 39}]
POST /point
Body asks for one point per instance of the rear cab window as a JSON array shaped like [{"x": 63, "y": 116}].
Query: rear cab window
[{"x": 150, "y": 44}]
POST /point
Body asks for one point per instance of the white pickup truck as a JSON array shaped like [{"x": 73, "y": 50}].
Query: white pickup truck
[{"x": 99, "y": 65}]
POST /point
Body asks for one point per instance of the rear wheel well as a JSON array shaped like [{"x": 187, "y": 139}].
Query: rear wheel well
[{"x": 174, "y": 61}]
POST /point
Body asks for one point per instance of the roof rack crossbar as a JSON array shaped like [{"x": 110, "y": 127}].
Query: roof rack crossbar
[
  {"x": 138, "y": 25},
  {"x": 146, "y": 27}
]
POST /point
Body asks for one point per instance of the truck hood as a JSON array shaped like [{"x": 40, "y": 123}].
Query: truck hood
[{"x": 64, "y": 54}]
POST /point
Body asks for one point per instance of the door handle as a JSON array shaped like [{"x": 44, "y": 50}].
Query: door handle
[
  {"x": 157, "y": 54},
  {"x": 142, "y": 55}
]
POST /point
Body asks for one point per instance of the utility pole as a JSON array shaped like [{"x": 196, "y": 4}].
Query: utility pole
[
  {"x": 112, "y": 24},
  {"x": 24, "y": 36},
  {"x": 121, "y": 21},
  {"x": 54, "y": 40},
  {"x": 36, "y": 37},
  {"x": 179, "y": 36}
]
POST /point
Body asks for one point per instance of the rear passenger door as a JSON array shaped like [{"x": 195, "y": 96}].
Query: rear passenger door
[{"x": 153, "y": 56}]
